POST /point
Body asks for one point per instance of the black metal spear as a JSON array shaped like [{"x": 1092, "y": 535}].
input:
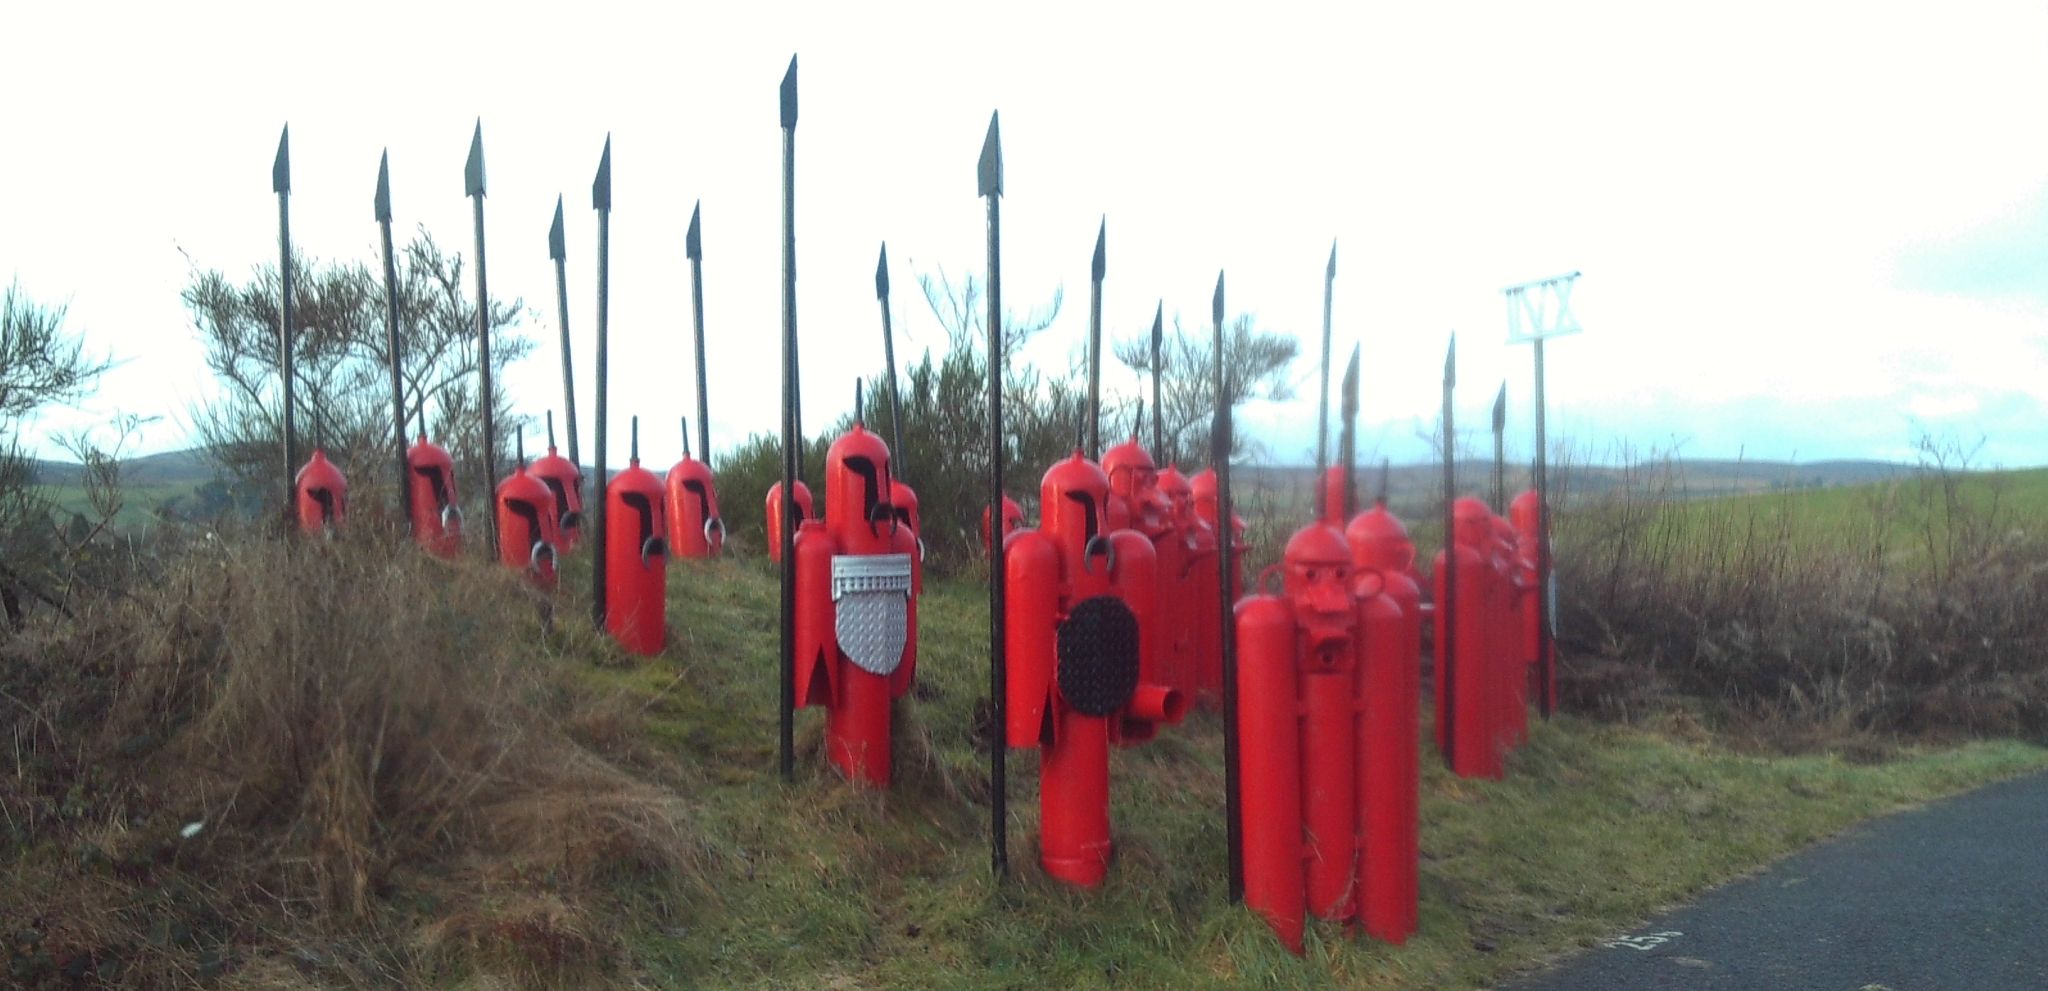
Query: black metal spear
[
  {"x": 989, "y": 175},
  {"x": 1220, "y": 442},
  {"x": 1348, "y": 446},
  {"x": 899, "y": 463},
  {"x": 1447, "y": 678},
  {"x": 1095, "y": 268},
  {"x": 792, "y": 427},
  {"x": 1158, "y": 412},
  {"x": 601, "y": 201},
  {"x": 1323, "y": 402},
  {"x": 693, "y": 247},
  {"x": 383, "y": 211},
  {"x": 281, "y": 184},
  {"x": 473, "y": 183},
  {"x": 558, "y": 251},
  {"x": 1500, "y": 463}
]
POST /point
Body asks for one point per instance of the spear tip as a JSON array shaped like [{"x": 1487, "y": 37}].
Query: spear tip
[
  {"x": 601, "y": 187},
  {"x": 1500, "y": 409},
  {"x": 473, "y": 170},
  {"x": 693, "y": 239},
  {"x": 281, "y": 167},
  {"x": 990, "y": 170},
  {"x": 1096, "y": 267},
  {"x": 1331, "y": 271},
  {"x": 882, "y": 274},
  {"x": 1351, "y": 385},
  {"x": 383, "y": 199},
  {"x": 558, "y": 247},
  {"x": 1216, "y": 306},
  {"x": 1158, "y": 322},
  {"x": 1451, "y": 362},
  {"x": 789, "y": 95}
]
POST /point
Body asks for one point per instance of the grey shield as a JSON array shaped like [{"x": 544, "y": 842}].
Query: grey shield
[{"x": 871, "y": 614}]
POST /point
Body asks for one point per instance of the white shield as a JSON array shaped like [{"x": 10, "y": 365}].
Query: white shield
[{"x": 871, "y": 609}]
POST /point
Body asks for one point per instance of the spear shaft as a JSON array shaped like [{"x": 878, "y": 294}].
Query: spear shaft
[
  {"x": 1095, "y": 345},
  {"x": 1226, "y": 546},
  {"x": 383, "y": 212},
  {"x": 281, "y": 184},
  {"x": 1323, "y": 403},
  {"x": 558, "y": 251},
  {"x": 792, "y": 429},
  {"x": 488, "y": 399},
  {"x": 1158, "y": 411},
  {"x": 899, "y": 463},
  {"x": 1500, "y": 448},
  {"x": 1447, "y": 678},
  {"x": 601, "y": 201},
  {"x": 693, "y": 246},
  {"x": 990, "y": 185}
]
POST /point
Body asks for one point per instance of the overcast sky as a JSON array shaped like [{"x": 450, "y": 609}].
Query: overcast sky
[{"x": 1806, "y": 230}]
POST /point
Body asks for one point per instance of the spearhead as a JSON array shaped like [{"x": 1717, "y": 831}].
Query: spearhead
[
  {"x": 383, "y": 201},
  {"x": 473, "y": 170},
  {"x": 1331, "y": 271},
  {"x": 789, "y": 95},
  {"x": 601, "y": 187},
  {"x": 693, "y": 239},
  {"x": 1500, "y": 409},
  {"x": 1451, "y": 363},
  {"x": 558, "y": 248},
  {"x": 1216, "y": 307},
  {"x": 1351, "y": 388},
  {"x": 1158, "y": 327},
  {"x": 1096, "y": 267},
  {"x": 281, "y": 168},
  {"x": 990, "y": 170},
  {"x": 882, "y": 274}
]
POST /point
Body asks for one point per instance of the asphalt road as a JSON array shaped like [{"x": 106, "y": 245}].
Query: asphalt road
[{"x": 1951, "y": 895}]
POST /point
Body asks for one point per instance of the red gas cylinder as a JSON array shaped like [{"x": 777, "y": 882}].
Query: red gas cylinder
[
  {"x": 1208, "y": 624},
  {"x": 636, "y": 560},
  {"x": 1544, "y": 678},
  {"x": 1468, "y": 726},
  {"x": 436, "y": 519},
  {"x": 1307, "y": 757},
  {"x": 565, "y": 489},
  {"x": 1138, "y": 502},
  {"x": 1383, "y": 558},
  {"x": 1013, "y": 520},
  {"x": 804, "y": 511},
  {"x": 694, "y": 529},
  {"x": 321, "y": 495},
  {"x": 527, "y": 538},
  {"x": 1080, "y": 602},
  {"x": 854, "y": 580}
]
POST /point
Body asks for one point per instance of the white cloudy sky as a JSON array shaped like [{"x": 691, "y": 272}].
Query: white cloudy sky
[{"x": 1807, "y": 230}]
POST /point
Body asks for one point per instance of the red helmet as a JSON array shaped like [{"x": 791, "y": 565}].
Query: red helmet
[
  {"x": 1073, "y": 502},
  {"x": 857, "y": 481}
]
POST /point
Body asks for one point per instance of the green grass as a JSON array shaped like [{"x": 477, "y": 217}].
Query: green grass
[
  {"x": 816, "y": 884},
  {"x": 138, "y": 507}
]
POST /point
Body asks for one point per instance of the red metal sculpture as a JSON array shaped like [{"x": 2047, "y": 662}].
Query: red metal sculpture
[
  {"x": 564, "y": 481},
  {"x": 321, "y": 501},
  {"x": 436, "y": 519},
  {"x": 1013, "y": 520},
  {"x": 856, "y": 587},
  {"x": 1384, "y": 560},
  {"x": 527, "y": 538},
  {"x": 636, "y": 558},
  {"x": 1468, "y": 676},
  {"x": 804, "y": 511},
  {"x": 694, "y": 527},
  {"x": 1080, "y": 614}
]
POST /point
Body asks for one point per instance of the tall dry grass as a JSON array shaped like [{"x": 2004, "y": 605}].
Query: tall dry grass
[
  {"x": 1915, "y": 606},
  {"x": 326, "y": 763}
]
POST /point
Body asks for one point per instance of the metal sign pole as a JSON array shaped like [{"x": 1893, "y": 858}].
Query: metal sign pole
[{"x": 1537, "y": 311}]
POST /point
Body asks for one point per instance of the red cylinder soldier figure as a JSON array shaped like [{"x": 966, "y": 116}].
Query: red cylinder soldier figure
[
  {"x": 1080, "y": 602},
  {"x": 1208, "y": 625},
  {"x": 1514, "y": 661},
  {"x": 855, "y": 580},
  {"x": 636, "y": 558},
  {"x": 1543, "y": 679},
  {"x": 436, "y": 519},
  {"x": 804, "y": 511},
  {"x": 564, "y": 481},
  {"x": 1383, "y": 558},
  {"x": 1468, "y": 678},
  {"x": 1013, "y": 520},
  {"x": 694, "y": 529},
  {"x": 527, "y": 537},
  {"x": 1137, "y": 502},
  {"x": 321, "y": 494}
]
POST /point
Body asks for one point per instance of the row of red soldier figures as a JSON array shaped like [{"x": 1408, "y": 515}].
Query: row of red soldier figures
[{"x": 539, "y": 516}]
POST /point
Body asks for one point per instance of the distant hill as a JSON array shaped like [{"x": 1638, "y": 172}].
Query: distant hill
[{"x": 171, "y": 468}]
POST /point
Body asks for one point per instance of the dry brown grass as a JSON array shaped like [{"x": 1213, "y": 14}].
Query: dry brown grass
[{"x": 392, "y": 782}]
